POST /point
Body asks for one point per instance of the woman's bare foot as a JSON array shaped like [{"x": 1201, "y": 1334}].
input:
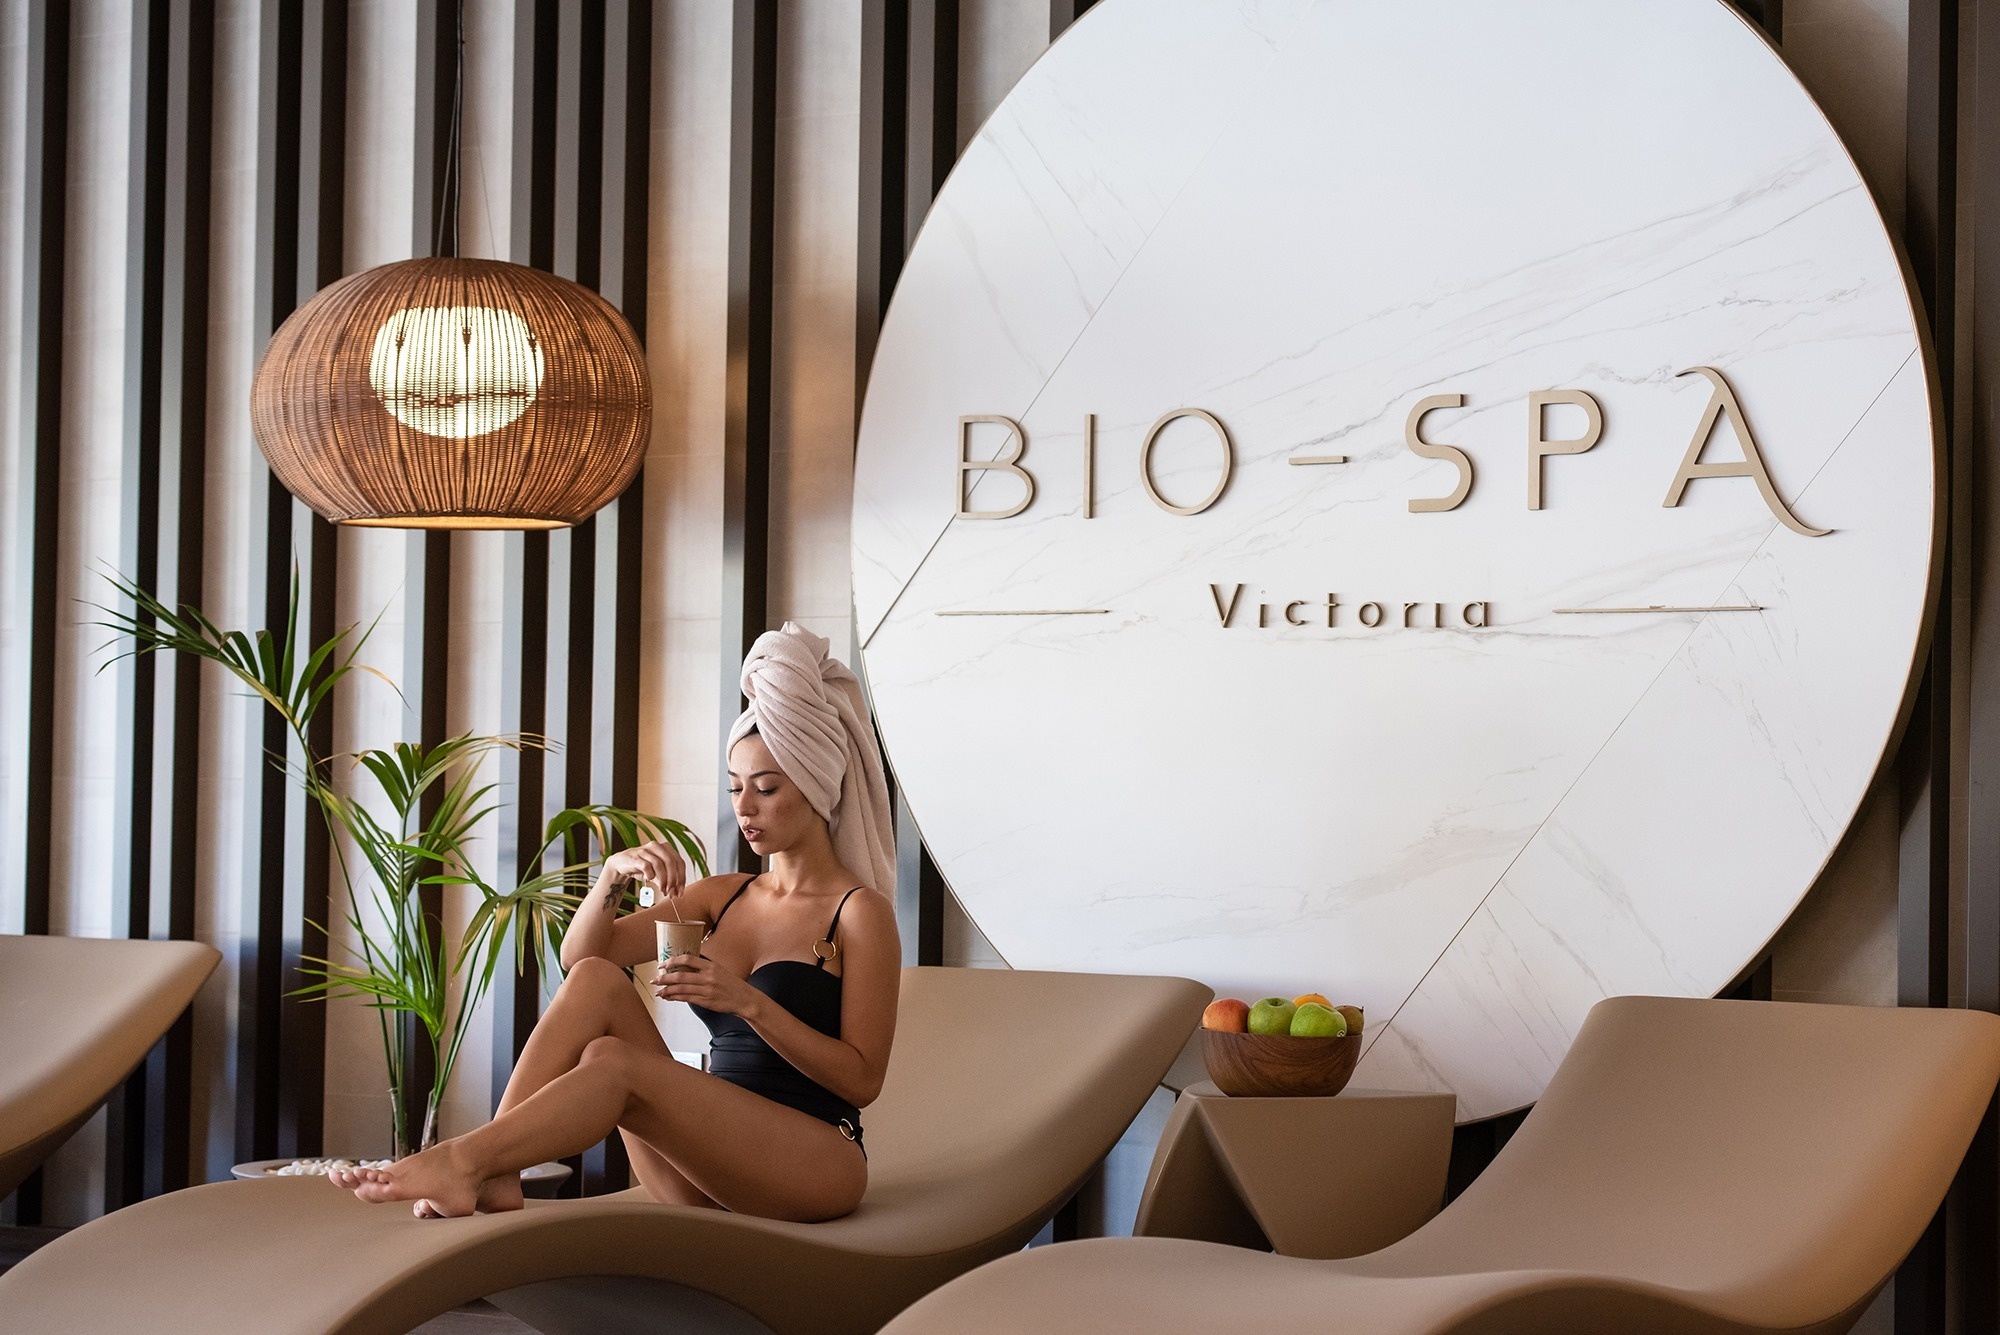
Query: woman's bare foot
[{"x": 439, "y": 1183}]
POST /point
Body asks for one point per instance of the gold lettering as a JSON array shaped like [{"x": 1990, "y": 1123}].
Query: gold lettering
[
  {"x": 1291, "y": 620},
  {"x": 1010, "y": 463},
  {"x": 1146, "y": 461},
  {"x": 1223, "y": 613},
  {"x": 1722, "y": 401},
  {"x": 1407, "y": 609},
  {"x": 1263, "y": 615},
  {"x": 1368, "y": 607},
  {"x": 1540, "y": 445},
  {"x": 1332, "y": 606},
  {"x": 1466, "y": 615},
  {"x": 1413, "y": 438}
]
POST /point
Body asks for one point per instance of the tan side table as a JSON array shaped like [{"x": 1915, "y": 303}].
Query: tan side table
[{"x": 1316, "y": 1178}]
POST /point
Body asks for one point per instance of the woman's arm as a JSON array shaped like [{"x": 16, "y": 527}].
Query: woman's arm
[
  {"x": 597, "y": 930},
  {"x": 871, "y": 960}
]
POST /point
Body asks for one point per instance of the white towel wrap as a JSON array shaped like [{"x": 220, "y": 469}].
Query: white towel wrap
[{"x": 809, "y": 710}]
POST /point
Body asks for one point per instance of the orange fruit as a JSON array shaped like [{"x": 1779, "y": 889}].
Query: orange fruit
[{"x": 1312, "y": 998}]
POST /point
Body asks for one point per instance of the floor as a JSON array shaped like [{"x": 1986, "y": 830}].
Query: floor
[{"x": 477, "y": 1318}]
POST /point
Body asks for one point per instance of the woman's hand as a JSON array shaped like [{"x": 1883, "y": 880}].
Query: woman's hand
[
  {"x": 658, "y": 864},
  {"x": 700, "y": 981}
]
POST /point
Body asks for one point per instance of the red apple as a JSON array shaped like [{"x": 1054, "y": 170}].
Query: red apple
[{"x": 1229, "y": 1015}]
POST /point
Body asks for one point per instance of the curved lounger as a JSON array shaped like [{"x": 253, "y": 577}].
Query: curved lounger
[
  {"x": 1695, "y": 1166},
  {"x": 77, "y": 1014},
  {"x": 1004, "y": 1091}
]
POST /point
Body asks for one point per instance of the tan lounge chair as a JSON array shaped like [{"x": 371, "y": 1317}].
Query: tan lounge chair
[
  {"x": 77, "y": 1014},
  {"x": 1695, "y": 1166},
  {"x": 1004, "y": 1091}
]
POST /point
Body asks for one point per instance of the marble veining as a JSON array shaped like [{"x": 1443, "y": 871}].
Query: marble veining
[{"x": 1304, "y": 217}]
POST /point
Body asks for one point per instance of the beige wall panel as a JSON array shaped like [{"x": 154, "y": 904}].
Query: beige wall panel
[
  {"x": 687, "y": 325},
  {"x": 381, "y": 162},
  {"x": 479, "y": 593},
  {"x": 1840, "y": 946},
  {"x": 235, "y": 471},
  {"x": 997, "y": 41},
  {"x": 813, "y": 408},
  {"x": 1854, "y": 56}
]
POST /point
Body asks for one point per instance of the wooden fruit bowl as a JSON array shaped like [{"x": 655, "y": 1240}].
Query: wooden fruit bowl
[{"x": 1262, "y": 1066}]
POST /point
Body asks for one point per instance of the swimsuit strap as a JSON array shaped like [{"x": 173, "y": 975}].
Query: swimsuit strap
[
  {"x": 732, "y": 899},
  {"x": 824, "y": 949}
]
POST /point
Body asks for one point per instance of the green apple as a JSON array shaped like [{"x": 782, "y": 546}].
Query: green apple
[
  {"x": 1272, "y": 1015},
  {"x": 1313, "y": 1020}
]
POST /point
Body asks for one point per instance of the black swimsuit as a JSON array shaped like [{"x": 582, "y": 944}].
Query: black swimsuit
[{"x": 739, "y": 1054}]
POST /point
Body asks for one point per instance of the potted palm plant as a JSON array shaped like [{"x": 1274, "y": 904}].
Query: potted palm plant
[{"x": 399, "y": 961}]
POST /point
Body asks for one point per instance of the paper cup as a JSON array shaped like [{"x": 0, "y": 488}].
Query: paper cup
[{"x": 679, "y": 938}]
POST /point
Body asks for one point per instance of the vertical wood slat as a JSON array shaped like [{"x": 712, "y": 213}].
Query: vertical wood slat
[
  {"x": 260, "y": 962},
  {"x": 308, "y": 897},
  {"x": 302, "y": 102},
  {"x": 883, "y": 237},
  {"x": 929, "y": 134},
  {"x": 428, "y": 553},
  {"x": 746, "y": 432},
  {"x": 184, "y": 460},
  {"x": 1978, "y": 1224},
  {"x": 881, "y": 234},
  {"x": 593, "y": 544},
  {"x": 525, "y": 624},
  {"x": 931, "y": 122},
  {"x": 1062, "y": 13},
  {"x": 1767, "y": 14},
  {"x": 139, "y": 551},
  {"x": 1923, "y": 769},
  {"x": 630, "y": 103},
  {"x": 44, "y": 253}
]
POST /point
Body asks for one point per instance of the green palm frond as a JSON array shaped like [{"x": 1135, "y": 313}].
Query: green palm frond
[{"x": 399, "y": 963}]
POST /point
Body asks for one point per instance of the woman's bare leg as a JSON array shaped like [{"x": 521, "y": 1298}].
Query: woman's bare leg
[
  {"x": 596, "y": 1000},
  {"x": 662, "y": 1181},
  {"x": 740, "y": 1149}
]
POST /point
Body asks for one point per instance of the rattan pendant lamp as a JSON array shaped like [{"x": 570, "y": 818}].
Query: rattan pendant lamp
[{"x": 453, "y": 393}]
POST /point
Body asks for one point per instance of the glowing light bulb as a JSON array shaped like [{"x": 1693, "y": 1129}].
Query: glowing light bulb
[{"x": 455, "y": 371}]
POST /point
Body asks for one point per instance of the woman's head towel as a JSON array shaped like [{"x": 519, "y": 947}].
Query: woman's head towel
[{"x": 809, "y": 711}]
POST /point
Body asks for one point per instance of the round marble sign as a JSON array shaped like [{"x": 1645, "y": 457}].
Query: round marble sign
[{"x": 1430, "y": 503}]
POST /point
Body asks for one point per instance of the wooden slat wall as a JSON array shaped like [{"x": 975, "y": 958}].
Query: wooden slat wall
[
  {"x": 581, "y": 190},
  {"x": 746, "y": 466}
]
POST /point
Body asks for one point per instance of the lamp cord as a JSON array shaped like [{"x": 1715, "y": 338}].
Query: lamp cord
[{"x": 451, "y": 184}]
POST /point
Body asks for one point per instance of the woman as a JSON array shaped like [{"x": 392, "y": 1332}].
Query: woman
[{"x": 797, "y": 983}]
